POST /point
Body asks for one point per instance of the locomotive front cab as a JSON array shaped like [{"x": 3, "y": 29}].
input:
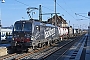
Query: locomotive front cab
[{"x": 22, "y": 33}]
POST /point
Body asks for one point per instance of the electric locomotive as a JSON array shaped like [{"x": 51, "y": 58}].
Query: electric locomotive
[{"x": 32, "y": 34}]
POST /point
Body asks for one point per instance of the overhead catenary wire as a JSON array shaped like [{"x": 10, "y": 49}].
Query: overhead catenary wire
[
  {"x": 82, "y": 15},
  {"x": 64, "y": 9},
  {"x": 28, "y": 5},
  {"x": 21, "y": 3},
  {"x": 67, "y": 5},
  {"x": 47, "y": 8},
  {"x": 78, "y": 13}
]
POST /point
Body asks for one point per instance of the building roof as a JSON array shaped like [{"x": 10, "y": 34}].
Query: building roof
[
  {"x": 59, "y": 20},
  {"x": 6, "y": 27},
  {"x": 6, "y": 30}
]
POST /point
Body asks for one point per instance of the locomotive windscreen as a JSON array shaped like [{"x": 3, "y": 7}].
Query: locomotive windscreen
[
  {"x": 27, "y": 27},
  {"x": 23, "y": 27},
  {"x": 18, "y": 27}
]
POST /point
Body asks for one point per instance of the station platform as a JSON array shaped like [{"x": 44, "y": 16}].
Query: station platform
[
  {"x": 80, "y": 50},
  {"x": 87, "y": 55},
  {"x": 3, "y": 51}
]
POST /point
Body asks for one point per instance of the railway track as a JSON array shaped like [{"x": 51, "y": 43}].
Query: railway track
[
  {"x": 7, "y": 56},
  {"x": 60, "y": 51},
  {"x": 76, "y": 49},
  {"x": 40, "y": 54},
  {"x": 16, "y": 56},
  {"x": 30, "y": 54}
]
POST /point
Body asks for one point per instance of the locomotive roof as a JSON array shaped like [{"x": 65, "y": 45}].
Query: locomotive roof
[
  {"x": 27, "y": 20},
  {"x": 31, "y": 20}
]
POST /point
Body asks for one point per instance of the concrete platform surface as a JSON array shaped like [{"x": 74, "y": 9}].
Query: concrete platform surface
[{"x": 3, "y": 51}]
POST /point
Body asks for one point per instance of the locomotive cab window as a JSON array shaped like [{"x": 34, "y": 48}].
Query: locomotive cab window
[
  {"x": 23, "y": 26},
  {"x": 27, "y": 26},
  {"x": 18, "y": 26}
]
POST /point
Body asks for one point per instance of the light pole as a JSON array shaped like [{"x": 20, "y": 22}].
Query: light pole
[
  {"x": 55, "y": 14},
  {"x": 2, "y": 1}
]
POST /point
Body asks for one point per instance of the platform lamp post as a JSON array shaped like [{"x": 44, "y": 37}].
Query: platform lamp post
[{"x": 2, "y": 1}]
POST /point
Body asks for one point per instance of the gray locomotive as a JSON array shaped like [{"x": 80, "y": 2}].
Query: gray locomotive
[{"x": 33, "y": 33}]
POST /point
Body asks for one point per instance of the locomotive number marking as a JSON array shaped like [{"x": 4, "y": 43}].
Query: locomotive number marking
[{"x": 49, "y": 32}]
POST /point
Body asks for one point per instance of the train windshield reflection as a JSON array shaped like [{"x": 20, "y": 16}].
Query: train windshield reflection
[
  {"x": 23, "y": 27},
  {"x": 18, "y": 27},
  {"x": 27, "y": 27}
]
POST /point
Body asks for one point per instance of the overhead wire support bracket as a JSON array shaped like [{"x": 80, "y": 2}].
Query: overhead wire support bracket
[
  {"x": 81, "y": 15},
  {"x": 49, "y": 13}
]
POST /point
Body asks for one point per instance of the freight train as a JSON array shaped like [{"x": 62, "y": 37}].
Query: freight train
[{"x": 34, "y": 33}]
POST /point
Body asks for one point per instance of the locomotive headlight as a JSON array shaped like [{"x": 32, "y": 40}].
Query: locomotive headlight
[
  {"x": 32, "y": 38},
  {"x": 12, "y": 38},
  {"x": 25, "y": 35},
  {"x": 17, "y": 35}
]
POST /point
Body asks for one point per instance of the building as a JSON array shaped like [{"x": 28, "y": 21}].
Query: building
[
  {"x": 59, "y": 21},
  {"x": 6, "y": 31}
]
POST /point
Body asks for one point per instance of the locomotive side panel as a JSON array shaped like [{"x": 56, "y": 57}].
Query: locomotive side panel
[
  {"x": 44, "y": 35},
  {"x": 49, "y": 32},
  {"x": 55, "y": 34},
  {"x": 36, "y": 33},
  {"x": 44, "y": 32}
]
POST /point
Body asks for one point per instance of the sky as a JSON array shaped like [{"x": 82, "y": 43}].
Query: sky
[{"x": 14, "y": 10}]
